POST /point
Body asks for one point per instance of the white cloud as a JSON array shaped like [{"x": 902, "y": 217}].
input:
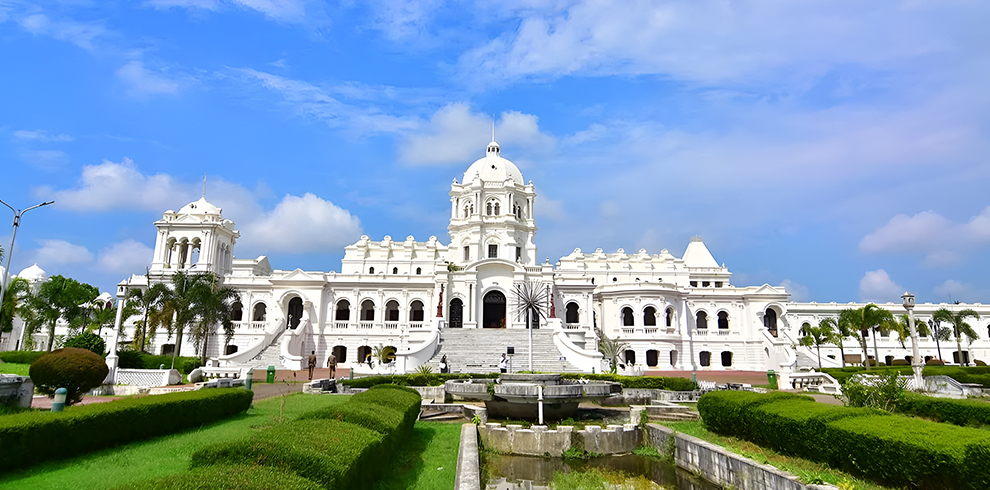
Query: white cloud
[
  {"x": 455, "y": 134},
  {"x": 124, "y": 257},
  {"x": 876, "y": 286},
  {"x": 405, "y": 20},
  {"x": 940, "y": 240},
  {"x": 798, "y": 292},
  {"x": 113, "y": 186},
  {"x": 59, "y": 252},
  {"x": 46, "y": 159},
  {"x": 710, "y": 40},
  {"x": 141, "y": 81},
  {"x": 41, "y": 135},
  {"x": 301, "y": 224},
  {"x": 289, "y": 11},
  {"x": 79, "y": 33}
]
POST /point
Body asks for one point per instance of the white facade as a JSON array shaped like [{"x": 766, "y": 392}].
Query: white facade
[{"x": 676, "y": 313}]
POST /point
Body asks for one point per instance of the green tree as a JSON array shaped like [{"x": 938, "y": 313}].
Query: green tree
[
  {"x": 959, "y": 326},
  {"x": 610, "y": 349},
  {"x": 196, "y": 302},
  {"x": 939, "y": 333},
  {"x": 179, "y": 306},
  {"x": 15, "y": 298},
  {"x": 214, "y": 306},
  {"x": 866, "y": 319},
  {"x": 841, "y": 329},
  {"x": 147, "y": 303},
  {"x": 817, "y": 336},
  {"x": 62, "y": 297}
]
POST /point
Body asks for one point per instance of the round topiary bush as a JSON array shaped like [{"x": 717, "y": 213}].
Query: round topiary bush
[
  {"x": 934, "y": 362},
  {"x": 76, "y": 370},
  {"x": 89, "y": 341}
]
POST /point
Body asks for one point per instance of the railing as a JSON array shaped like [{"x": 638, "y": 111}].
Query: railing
[
  {"x": 534, "y": 269},
  {"x": 391, "y": 325},
  {"x": 415, "y": 324},
  {"x": 627, "y": 330},
  {"x": 650, "y": 330},
  {"x": 366, "y": 325},
  {"x": 701, "y": 332},
  {"x": 572, "y": 326},
  {"x": 251, "y": 325},
  {"x": 723, "y": 331},
  {"x": 340, "y": 325}
]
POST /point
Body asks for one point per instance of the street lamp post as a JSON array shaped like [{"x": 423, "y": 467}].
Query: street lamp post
[
  {"x": 10, "y": 251},
  {"x": 916, "y": 365}
]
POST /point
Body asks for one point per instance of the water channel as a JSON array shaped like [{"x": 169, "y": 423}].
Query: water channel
[{"x": 507, "y": 472}]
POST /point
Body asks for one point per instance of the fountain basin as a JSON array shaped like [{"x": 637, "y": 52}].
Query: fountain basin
[{"x": 519, "y": 395}]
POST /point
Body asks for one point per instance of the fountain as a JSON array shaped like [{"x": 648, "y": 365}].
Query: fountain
[{"x": 532, "y": 396}]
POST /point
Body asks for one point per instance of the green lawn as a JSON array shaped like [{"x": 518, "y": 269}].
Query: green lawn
[
  {"x": 14, "y": 368},
  {"x": 428, "y": 461},
  {"x": 162, "y": 456}
]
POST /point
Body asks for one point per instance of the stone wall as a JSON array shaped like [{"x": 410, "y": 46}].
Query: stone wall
[
  {"x": 538, "y": 440},
  {"x": 16, "y": 390},
  {"x": 722, "y": 467}
]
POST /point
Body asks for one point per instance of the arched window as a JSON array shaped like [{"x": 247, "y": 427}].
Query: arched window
[
  {"x": 670, "y": 317},
  {"x": 343, "y": 311},
  {"x": 726, "y": 359},
  {"x": 770, "y": 321},
  {"x": 652, "y": 358},
  {"x": 706, "y": 358},
  {"x": 419, "y": 271},
  {"x": 723, "y": 320},
  {"x": 371, "y": 270},
  {"x": 702, "y": 320},
  {"x": 260, "y": 311},
  {"x": 236, "y": 311},
  {"x": 571, "y": 313},
  {"x": 392, "y": 311},
  {"x": 416, "y": 311},
  {"x": 456, "y": 312},
  {"x": 630, "y": 356},
  {"x": 650, "y": 316},
  {"x": 627, "y": 317},
  {"x": 395, "y": 270},
  {"x": 368, "y": 311},
  {"x": 340, "y": 353},
  {"x": 497, "y": 211},
  {"x": 295, "y": 311},
  {"x": 364, "y": 354},
  {"x": 488, "y": 208},
  {"x": 230, "y": 349},
  {"x": 673, "y": 358},
  {"x": 467, "y": 212}
]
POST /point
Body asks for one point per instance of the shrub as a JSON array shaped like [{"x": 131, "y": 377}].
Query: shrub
[
  {"x": 406, "y": 401},
  {"x": 29, "y": 437},
  {"x": 973, "y": 374},
  {"x": 337, "y": 455},
  {"x": 382, "y": 419},
  {"x": 957, "y": 412},
  {"x": 130, "y": 359},
  {"x": 642, "y": 382},
  {"x": 415, "y": 379},
  {"x": 239, "y": 477},
  {"x": 76, "y": 370},
  {"x": 979, "y": 362},
  {"x": 934, "y": 362},
  {"x": 184, "y": 365},
  {"x": 883, "y": 392},
  {"x": 21, "y": 356},
  {"x": 900, "y": 362},
  {"x": 727, "y": 412},
  {"x": 89, "y": 341}
]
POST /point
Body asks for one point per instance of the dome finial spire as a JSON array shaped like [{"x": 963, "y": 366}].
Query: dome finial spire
[
  {"x": 204, "y": 185},
  {"x": 493, "y": 148},
  {"x": 493, "y": 127}
]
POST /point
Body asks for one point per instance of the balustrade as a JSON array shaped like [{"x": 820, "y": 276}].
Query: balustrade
[{"x": 340, "y": 325}]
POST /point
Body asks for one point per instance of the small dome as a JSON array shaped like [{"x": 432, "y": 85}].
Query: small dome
[
  {"x": 202, "y": 206},
  {"x": 493, "y": 168},
  {"x": 33, "y": 274}
]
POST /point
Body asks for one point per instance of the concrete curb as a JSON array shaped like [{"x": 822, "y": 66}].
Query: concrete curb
[{"x": 468, "y": 467}]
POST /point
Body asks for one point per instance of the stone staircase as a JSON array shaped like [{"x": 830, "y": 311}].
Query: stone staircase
[
  {"x": 478, "y": 350},
  {"x": 268, "y": 356}
]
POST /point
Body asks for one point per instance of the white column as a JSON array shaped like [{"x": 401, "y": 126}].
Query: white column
[{"x": 112, "y": 359}]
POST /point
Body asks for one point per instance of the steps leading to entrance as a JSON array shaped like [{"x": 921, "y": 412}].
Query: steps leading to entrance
[
  {"x": 269, "y": 356},
  {"x": 478, "y": 350}
]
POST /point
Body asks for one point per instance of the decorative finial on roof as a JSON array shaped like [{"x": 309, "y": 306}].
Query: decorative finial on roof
[{"x": 204, "y": 185}]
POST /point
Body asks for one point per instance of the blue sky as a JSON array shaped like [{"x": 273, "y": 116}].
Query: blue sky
[{"x": 839, "y": 148}]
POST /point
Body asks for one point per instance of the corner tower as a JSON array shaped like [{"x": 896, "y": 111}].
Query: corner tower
[
  {"x": 197, "y": 238},
  {"x": 491, "y": 213}
]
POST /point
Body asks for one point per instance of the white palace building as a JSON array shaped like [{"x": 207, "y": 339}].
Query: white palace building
[{"x": 428, "y": 299}]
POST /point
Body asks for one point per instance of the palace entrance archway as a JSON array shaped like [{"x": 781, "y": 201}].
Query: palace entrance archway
[
  {"x": 456, "y": 313},
  {"x": 494, "y": 313}
]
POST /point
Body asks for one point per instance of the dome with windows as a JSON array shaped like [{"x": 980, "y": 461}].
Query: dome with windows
[
  {"x": 202, "y": 206},
  {"x": 493, "y": 168}
]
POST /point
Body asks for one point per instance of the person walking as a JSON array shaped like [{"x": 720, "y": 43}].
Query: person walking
[
  {"x": 444, "y": 369},
  {"x": 312, "y": 364},
  {"x": 332, "y": 364},
  {"x": 503, "y": 364}
]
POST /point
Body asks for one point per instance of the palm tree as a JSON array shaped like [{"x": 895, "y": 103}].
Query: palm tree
[
  {"x": 61, "y": 297},
  {"x": 179, "y": 303},
  {"x": 214, "y": 305},
  {"x": 959, "y": 326},
  {"x": 817, "y": 336},
  {"x": 939, "y": 333},
  {"x": 865, "y": 319},
  {"x": 841, "y": 328},
  {"x": 531, "y": 299},
  {"x": 15, "y": 298},
  {"x": 610, "y": 349}
]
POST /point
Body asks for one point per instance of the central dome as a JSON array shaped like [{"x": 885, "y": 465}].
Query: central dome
[
  {"x": 202, "y": 206},
  {"x": 493, "y": 168}
]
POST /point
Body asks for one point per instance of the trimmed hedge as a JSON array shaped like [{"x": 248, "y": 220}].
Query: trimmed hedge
[
  {"x": 843, "y": 374},
  {"x": 21, "y": 356},
  {"x": 77, "y": 370},
  {"x": 642, "y": 382},
  {"x": 132, "y": 359},
  {"x": 339, "y": 447},
  {"x": 432, "y": 379},
  {"x": 956, "y": 412},
  {"x": 234, "y": 477},
  {"x": 337, "y": 455},
  {"x": 970, "y": 374},
  {"x": 891, "y": 449},
  {"x": 30, "y": 437}
]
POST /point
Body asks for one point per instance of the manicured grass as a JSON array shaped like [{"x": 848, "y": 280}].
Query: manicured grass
[
  {"x": 807, "y": 471},
  {"x": 427, "y": 461},
  {"x": 14, "y": 368},
  {"x": 162, "y": 456}
]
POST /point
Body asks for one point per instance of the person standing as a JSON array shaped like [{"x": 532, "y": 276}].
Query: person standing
[
  {"x": 503, "y": 364},
  {"x": 312, "y": 364},
  {"x": 443, "y": 365},
  {"x": 332, "y": 364}
]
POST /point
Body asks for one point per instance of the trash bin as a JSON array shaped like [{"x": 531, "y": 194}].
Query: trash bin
[
  {"x": 771, "y": 379},
  {"x": 271, "y": 375}
]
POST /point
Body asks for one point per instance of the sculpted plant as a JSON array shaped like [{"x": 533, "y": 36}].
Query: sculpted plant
[{"x": 76, "y": 370}]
